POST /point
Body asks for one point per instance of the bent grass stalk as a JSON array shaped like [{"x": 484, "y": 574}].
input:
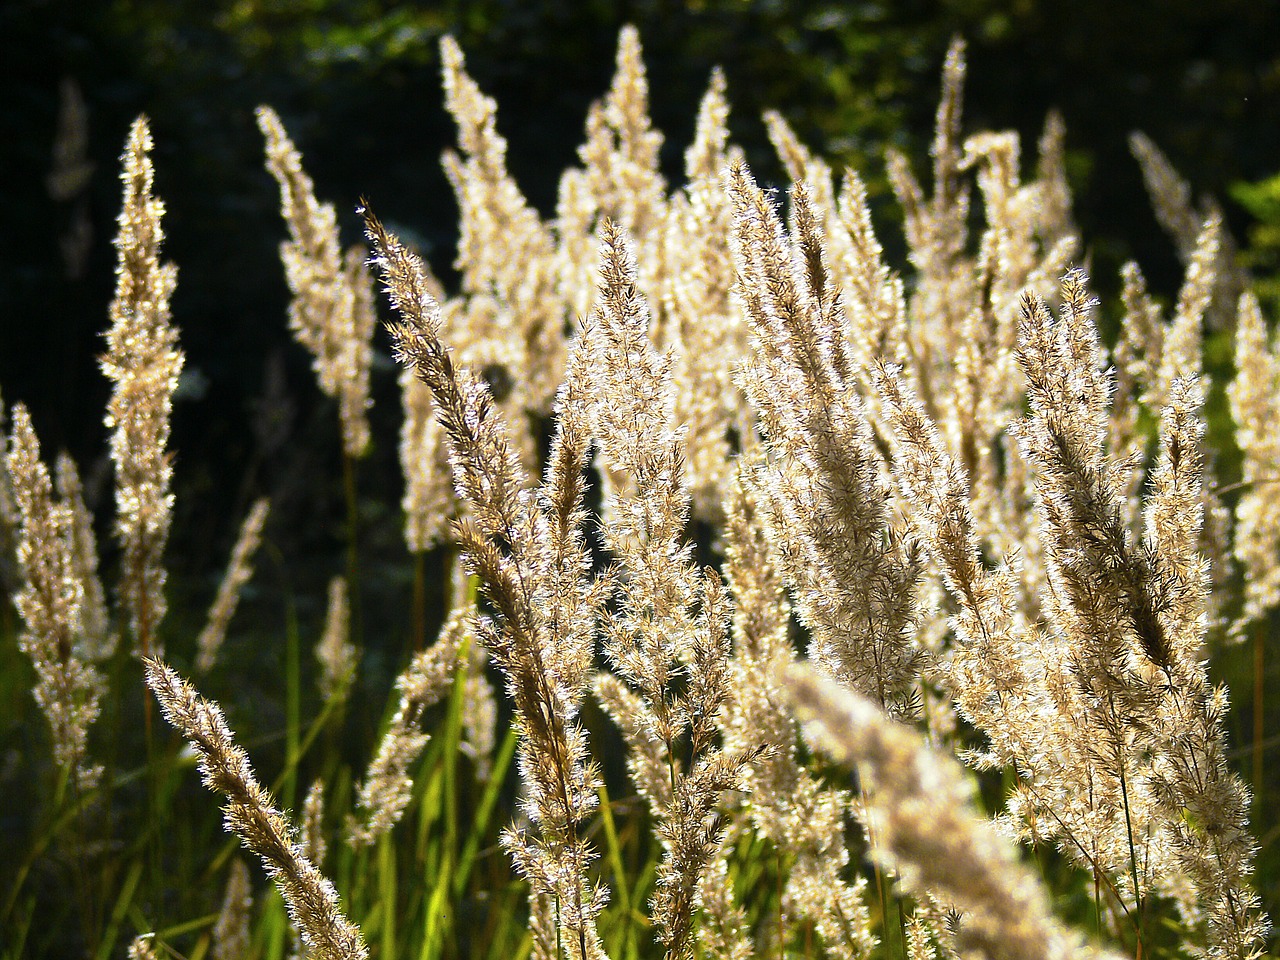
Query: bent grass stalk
[{"x": 251, "y": 815}]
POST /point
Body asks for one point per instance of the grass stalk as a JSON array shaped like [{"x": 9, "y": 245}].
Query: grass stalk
[
  {"x": 484, "y": 811},
  {"x": 1128, "y": 825},
  {"x": 613, "y": 851},
  {"x": 124, "y": 901},
  {"x": 353, "y": 549},
  {"x": 1259, "y": 710},
  {"x": 293, "y": 703},
  {"x": 419, "y": 600},
  {"x": 387, "y": 893}
]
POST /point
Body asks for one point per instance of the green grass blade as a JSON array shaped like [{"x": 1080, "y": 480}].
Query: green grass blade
[
  {"x": 124, "y": 900},
  {"x": 484, "y": 812},
  {"x": 387, "y": 893}
]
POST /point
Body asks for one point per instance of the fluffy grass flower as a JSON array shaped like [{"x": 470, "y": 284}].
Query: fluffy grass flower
[{"x": 142, "y": 362}]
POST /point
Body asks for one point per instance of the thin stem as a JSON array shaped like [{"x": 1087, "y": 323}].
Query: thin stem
[
  {"x": 782, "y": 939},
  {"x": 154, "y": 855},
  {"x": 902, "y": 924},
  {"x": 144, "y": 651},
  {"x": 1128, "y": 825},
  {"x": 875, "y": 866},
  {"x": 353, "y": 553},
  {"x": 1097, "y": 904},
  {"x": 1245, "y": 484},
  {"x": 293, "y": 701},
  {"x": 1133, "y": 858},
  {"x": 1259, "y": 707},
  {"x": 419, "y": 600}
]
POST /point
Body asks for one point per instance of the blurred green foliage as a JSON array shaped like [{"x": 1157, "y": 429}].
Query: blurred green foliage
[{"x": 1262, "y": 200}]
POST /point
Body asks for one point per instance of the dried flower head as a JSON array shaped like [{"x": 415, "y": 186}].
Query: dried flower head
[
  {"x": 337, "y": 655},
  {"x": 1255, "y": 405},
  {"x": 332, "y": 312},
  {"x": 251, "y": 814},
  {"x": 387, "y": 787},
  {"x": 670, "y": 628},
  {"x": 927, "y": 829},
  {"x": 98, "y": 639},
  {"x": 852, "y": 575},
  {"x": 239, "y": 570},
  {"x": 231, "y": 929},
  {"x": 428, "y": 501},
  {"x": 143, "y": 362},
  {"x": 51, "y": 603}
]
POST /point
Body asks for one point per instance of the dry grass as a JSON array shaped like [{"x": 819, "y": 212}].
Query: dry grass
[{"x": 995, "y": 539}]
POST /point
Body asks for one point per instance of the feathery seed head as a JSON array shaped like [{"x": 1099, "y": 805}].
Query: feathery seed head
[
  {"x": 332, "y": 312},
  {"x": 143, "y": 362},
  {"x": 239, "y": 570},
  {"x": 250, "y": 813},
  {"x": 51, "y": 602}
]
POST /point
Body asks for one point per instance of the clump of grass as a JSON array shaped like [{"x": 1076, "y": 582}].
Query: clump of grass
[{"x": 992, "y": 533}]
